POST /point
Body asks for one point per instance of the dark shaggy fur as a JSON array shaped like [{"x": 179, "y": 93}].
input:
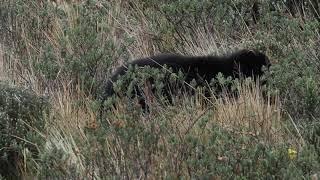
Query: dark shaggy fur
[{"x": 245, "y": 63}]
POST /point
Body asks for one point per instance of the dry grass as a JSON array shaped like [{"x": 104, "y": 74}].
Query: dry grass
[
  {"x": 249, "y": 110},
  {"x": 3, "y": 75},
  {"x": 249, "y": 114}
]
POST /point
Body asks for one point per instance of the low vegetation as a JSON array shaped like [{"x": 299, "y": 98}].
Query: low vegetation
[{"x": 56, "y": 56}]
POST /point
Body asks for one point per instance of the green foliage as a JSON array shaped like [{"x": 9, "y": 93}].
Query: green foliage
[
  {"x": 78, "y": 43},
  {"x": 57, "y": 160},
  {"x": 138, "y": 82},
  {"x": 74, "y": 43},
  {"x": 162, "y": 86},
  {"x": 22, "y": 120},
  {"x": 175, "y": 23},
  {"x": 294, "y": 52},
  {"x": 156, "y": 146},
  {"x": 295, "y": 70},
  {"x": 311, "y": 130},
  {"x": 230, "y": 156},
  {"x": 298, "y": 84}
]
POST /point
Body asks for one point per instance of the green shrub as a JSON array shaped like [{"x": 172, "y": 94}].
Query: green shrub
[
  {"x": 298, "y": 85},
  {"x": 311, "y": 131},
  {"x": 22, "y": 124},
  {"x": 176, "y": 24},
  {"x": 157, "y": 146},
  {"x": 75, "y": 43}
]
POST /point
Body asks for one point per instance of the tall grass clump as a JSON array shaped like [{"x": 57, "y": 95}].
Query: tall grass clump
[
  {"x": 75, "y": 42},
  {"x": 22, "y": 128}
]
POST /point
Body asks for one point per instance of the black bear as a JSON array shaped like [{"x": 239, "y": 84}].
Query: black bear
[{"x": 241, "y": 64}]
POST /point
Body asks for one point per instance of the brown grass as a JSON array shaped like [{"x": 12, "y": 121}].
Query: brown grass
[{"x": 250, "y": 114}]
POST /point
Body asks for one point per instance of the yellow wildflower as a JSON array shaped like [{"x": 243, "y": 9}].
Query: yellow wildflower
[{"x": 292, "y": 153}]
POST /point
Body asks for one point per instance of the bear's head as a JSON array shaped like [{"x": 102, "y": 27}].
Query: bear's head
[{"x": 249, "y": 63}]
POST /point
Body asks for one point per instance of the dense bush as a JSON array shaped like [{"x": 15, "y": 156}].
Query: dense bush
[
  {"x": 179, "y": 141},
  {"x": 163, "y": 146},
  {"x": 22, "y": 123},
  {"x": 175, "y": 25},
  {"x": 74, "y": 44}
]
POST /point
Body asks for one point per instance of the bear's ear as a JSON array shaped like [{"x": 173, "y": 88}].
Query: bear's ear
[{"x": 245, "y": 57}]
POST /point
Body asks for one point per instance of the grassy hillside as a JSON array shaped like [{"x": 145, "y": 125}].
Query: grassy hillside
[{"x": 57, "y": 55}]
